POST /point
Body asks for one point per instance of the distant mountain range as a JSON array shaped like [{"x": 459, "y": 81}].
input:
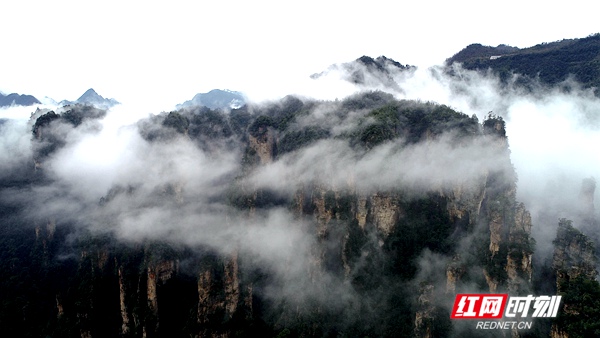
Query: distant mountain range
[
  {"x": 90, "y": 97},
  {"x": 549, "y": 64},
  {"x": 546, "y": 64},
  {"x": 216, "y": 99},
  {"x": 15, "y": 99}
]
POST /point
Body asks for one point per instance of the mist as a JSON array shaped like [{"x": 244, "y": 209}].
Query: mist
[
  {"x": 109, "y": 178},
  {"x": 552, "y": 134}
]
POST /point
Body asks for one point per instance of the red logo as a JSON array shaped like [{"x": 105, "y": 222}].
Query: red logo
[{"x": 479, "y": 305}]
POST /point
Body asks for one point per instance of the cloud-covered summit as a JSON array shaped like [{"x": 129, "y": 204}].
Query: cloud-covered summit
[{"x": 367, "y": 72}]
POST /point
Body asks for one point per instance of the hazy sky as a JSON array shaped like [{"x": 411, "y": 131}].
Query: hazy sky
[{"x": 165, "y": 53}]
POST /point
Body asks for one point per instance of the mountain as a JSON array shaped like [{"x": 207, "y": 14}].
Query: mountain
[
  {"x": 368, "y": 72},
  {"x": 364, "y": 216},
  {"x": 551, "y": 63},
  {"x": 216, "y": 99},
  {"x": 17, "y": 99},
  {"x": 271, "y": 221},
  {"x": 90, "y": 97}
]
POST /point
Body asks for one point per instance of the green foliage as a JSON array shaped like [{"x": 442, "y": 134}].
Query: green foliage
[
  {"x": 412, "y": 121},
  {"x": 78, "y": 113},
  {"x": 210, "y": 124},
  {"x": 580, "y": 309},
  {"x": 368, "y": 100},
  {"x": 73, "y": 116},
  {"x": 47, "y": 138},
  {"x": 294, "y": 140},
  {"x": 177, "y": 121},
  {"x": 567, "y": 234},
  {"x": 260, "y": 125},
  {"x": 494, "y": 125},
  {"x": 46, "y": 141},
  {"x": 279, "y": 115},
  {"x": 551, "y": 63},
  {"x": 375, "y": 134},
  {"x": 239, "y": 120},
  {"x": 43, "y": 121},
  {"x": 284, "y": 113},
  {"x": 521, "y": 244},
  {"x": 477, "y": 51}
]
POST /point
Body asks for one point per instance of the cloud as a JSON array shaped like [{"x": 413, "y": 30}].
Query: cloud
[
  {"x": 15, "y": 147},
  {"x": 108, "y": 178},
  {"x": 425, "y": 166},
  {"x": 552, "y": 135}
]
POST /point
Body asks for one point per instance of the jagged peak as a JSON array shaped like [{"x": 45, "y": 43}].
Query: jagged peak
[{"x": 380, "y": 62}]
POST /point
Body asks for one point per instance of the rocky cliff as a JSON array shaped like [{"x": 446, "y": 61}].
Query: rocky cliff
[
  {"x": 574, "y": 255},
  {"x": 355, "y": 218}
]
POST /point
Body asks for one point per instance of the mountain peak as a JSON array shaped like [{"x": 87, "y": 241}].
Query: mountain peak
[
  {"x": 91, "y": 97},
  {"x": 216, "y": 99},
  {"x": 90, "y": 91},
  {"x": 89, "y": 94},
  {"x": 368, "y": 71}
]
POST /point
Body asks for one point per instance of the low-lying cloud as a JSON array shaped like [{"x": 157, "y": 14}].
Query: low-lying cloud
[{"x": 552, "y": 134}]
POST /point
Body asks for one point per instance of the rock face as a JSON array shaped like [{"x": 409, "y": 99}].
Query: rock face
[
  {"x": 263, "y": 144},
  {"x": 363, "y": 252},
  {"x": 454, "y": 273},
  {"x": 586, "y": 197},
  {"x": 519, "y": 260},
  {"x": 574, "y": 262},
  {"x": 425, "y": 312},
  {"x": 556, "y": 333},
  {"x": 574, "y": 255},
  {"x": 125, "y": 328},
  {"x": 220, "y": 297},
  {"x": 385, "y": 211}
]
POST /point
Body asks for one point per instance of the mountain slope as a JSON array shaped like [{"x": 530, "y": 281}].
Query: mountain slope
[
  {"x": 90, "y": 97},
  {"x": 368, "y": 72},
  {"x": 216, "y": 99},
  {"x": 17, "y": 99},
  {"x": 551, "y": 63}
]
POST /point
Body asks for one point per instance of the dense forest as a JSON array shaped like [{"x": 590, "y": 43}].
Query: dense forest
[{"x": 551, "y": 63}]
